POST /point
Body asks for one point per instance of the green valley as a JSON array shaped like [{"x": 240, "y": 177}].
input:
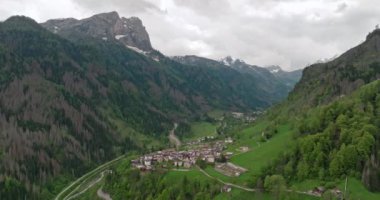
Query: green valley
[{"x": 90, "y": 109}]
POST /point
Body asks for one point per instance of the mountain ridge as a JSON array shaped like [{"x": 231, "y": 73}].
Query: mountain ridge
[
  {"x": 334, "y": 110},
  {"x": 105, "y": 26},
  {"x": 341, "y": 76}
]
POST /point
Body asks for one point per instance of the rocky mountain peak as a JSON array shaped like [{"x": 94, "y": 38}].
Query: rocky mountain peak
[
  {"x": 230, "y": 61},
  {"x": 110, "y": 17},
  {"x": 374, "y": 33},
  {"x": 274, "y": 69},
  {"x": 105, "y": 26}
]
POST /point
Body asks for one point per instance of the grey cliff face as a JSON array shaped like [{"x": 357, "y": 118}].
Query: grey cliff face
[{"x": 106, "y": 26}]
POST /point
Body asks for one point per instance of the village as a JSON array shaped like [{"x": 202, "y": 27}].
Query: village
[{"x": 208, "y": 152}]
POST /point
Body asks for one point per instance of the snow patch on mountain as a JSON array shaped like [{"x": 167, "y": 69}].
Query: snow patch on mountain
[
  {"x": 118, "y": 37},
  {"x": 273, "y": 71}
]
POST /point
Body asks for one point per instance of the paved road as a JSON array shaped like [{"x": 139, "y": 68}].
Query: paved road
[
  {"x": 101, "y": 194},
  {"x": 173, "y": 138},
  {"x": 226, "y": 183},
  {"x": 250, "y": 189},
  {"x": 83, "y": 179},
  {"x": 84, "y": 190}
]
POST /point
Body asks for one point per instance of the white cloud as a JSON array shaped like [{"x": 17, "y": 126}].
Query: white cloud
[{"x": 290, "y": 33}]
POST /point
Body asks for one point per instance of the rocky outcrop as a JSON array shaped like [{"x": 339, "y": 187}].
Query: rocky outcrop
[
  {"x": 105, "y": 26},
  {"x": 370, "y": 175}
]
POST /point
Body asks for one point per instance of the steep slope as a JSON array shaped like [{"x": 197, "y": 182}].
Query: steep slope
[
  {"x": 325, "y": 82},
  {"x": 105, "y": 26},
  {"x": 334, "y": 110},
  {"x": 49, "y": 124},
  {"x": 62, "y": 105},
  {"x": 336, "y": 140}
]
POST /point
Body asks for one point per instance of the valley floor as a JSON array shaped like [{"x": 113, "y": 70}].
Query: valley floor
[{"x": 260, "y": 153}]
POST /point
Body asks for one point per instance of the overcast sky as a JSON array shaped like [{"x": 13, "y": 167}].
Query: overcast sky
[{"x": 289, "y": 33}]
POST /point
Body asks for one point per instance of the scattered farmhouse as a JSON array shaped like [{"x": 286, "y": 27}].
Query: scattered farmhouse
[
  {"x": 229, "y": 169},
  {"x": 226, "y": 188}
]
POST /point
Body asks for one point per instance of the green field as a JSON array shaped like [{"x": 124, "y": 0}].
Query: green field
[
  {"x": 216, "y": 114},
  {"x": 248, "y": 137},
  {"x": 260, "y": 153},
  {"x": 243, "y": 195},
  {"x": 240, "y": 195},
  {"x": 356, "y": 190},
  {"x": 174, "y": 176},
  {"x": 202, "y": 129}
]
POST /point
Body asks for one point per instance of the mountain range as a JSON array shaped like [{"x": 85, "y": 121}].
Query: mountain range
[
  {"x": 75, "y": 93},
  {"x": 322, "y": 142}
]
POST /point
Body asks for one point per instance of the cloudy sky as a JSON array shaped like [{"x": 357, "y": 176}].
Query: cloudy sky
[{"x": 289, "y": 33}]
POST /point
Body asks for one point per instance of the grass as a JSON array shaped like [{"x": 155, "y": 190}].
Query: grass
[
  {"x": 357, "y": 191},
  {"x": 248, "y": 137},
  {"x": 306, "y": 185},
  {"x": 260, "y": 154},
  {"x": 238, "y": 194},
  {"x": 202, "y": 129},
  {"x": 216, "y": 114}
]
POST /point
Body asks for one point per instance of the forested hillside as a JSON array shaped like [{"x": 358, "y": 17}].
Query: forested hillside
[
  {"x": 69, "y": 104},
  {"x": 325, "y": 82},
  {"x": 334, "y": 111},
  {"x": 159, "y": 185},
  {"x": 337, "y": 140}
]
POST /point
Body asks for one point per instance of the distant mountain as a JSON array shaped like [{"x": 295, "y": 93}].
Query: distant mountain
[
  {"x": 277, "y": 85},
  {"x": 264, "y": 86},
  {"x": 71, "y": 99},
  {"x": 274, "y": 69},
  {"x": 289, "y": 78}
]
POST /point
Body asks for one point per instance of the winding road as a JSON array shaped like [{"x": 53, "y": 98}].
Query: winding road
[
  {"x": 82, "y": 180},
  {"x": 84, "y": 190},
  {"x": 173, "y": 138}
]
